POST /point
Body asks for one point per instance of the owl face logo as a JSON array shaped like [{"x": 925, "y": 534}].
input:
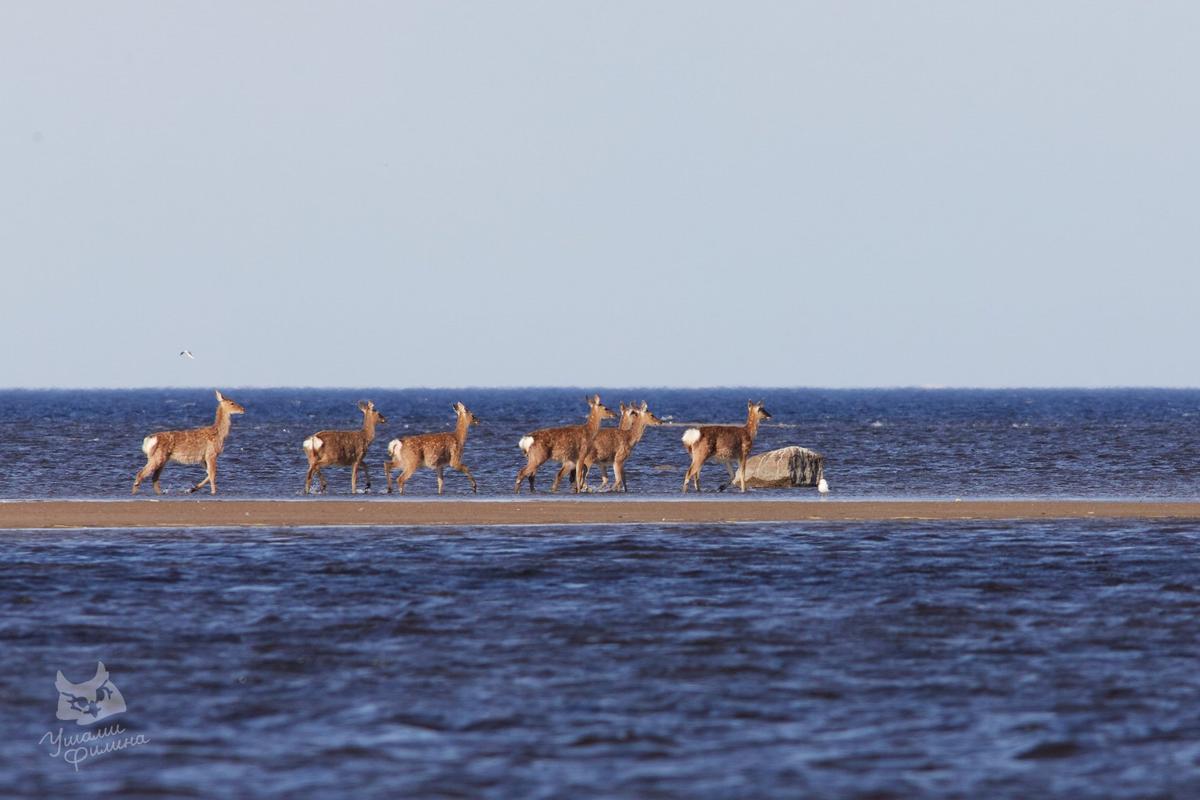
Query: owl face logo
[{"x": 88, "y": 702}]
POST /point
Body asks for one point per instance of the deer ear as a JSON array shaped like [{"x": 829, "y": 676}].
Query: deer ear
[
  {"x": 101, "y": 672},
  {"x": 220, "y": 397},
  {"x": 60, "y": 682},
  {"x": 363, "y": 405}
]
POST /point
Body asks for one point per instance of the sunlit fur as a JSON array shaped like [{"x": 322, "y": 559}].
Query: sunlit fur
[
  {"x": 342, "y": 448},
  {"x": 191, "y": 446}
]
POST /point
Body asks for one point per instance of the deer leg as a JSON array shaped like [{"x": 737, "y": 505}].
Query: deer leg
[
  {"x": 143, "y": 473},
  {"x": 742, "y": 467},
  {"x": 402, "y": 479},
  {"x": 687, "y": 476},
  {"x": 693, "y": 472},
  {"x": 210, "y": 473},
  {"x": 387, "y": 474},
  {"x": 439, "y": 477},
  {"x": 155, "y": 476},
  {"x": 366, "y": 474},
  {"x": 212, "y": 476},
  {"x": 618, "y": 475},
  {"x": 461, "y": 467},
  {"x": 562, "y": 472}
]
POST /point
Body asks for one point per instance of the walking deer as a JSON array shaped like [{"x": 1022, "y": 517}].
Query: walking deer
[
  {"x": 342, "y": 448},
  {"x": 724, "y": 443},
  {"x": 614, "y": 445},
  {"x": 605, "y": 445},
  {"x": 434, "y": 450},
  {"x": 565, "y": 445},
  {"x": 191, "y": 446}
]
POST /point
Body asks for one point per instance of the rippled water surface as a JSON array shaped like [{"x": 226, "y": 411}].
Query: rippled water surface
[
  {"x": 826, "y": 660},
  {"x": 899, "y": 443}
]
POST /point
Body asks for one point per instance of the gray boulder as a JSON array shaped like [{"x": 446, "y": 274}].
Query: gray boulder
[{"x": 787, "y": 466}]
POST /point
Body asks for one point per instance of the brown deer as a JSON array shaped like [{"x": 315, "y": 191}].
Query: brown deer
[
  {"x": 342, "y": 448},
  {"x": 724, "y": 443},
  {"x": 434, "y": 450},
  {"x": 604, "y": 446},
  {"x": 191, "y": 446},
  {"x": 614, "y": 445},
  {"x": 564, "y": 445}
]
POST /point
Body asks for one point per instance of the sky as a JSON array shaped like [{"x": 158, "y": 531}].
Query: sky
[{"x": 395, "y": 194}]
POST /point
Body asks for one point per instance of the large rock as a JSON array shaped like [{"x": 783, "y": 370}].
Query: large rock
[{"x": 787, "y": 466}]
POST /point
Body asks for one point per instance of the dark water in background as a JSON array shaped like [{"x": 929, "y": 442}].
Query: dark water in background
[
  {"x": 897, "y": 659},
  {"x": 878, "y": 443},
  {"x": 888, "y": 660}
]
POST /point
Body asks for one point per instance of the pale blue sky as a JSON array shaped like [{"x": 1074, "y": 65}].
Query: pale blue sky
[{"x": 560, "y": 193}]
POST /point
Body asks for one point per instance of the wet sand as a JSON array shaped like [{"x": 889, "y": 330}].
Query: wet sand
[{"x": 190, "y": 513}]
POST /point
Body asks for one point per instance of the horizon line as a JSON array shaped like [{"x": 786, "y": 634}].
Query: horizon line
[{"x": 586, "y": 388}]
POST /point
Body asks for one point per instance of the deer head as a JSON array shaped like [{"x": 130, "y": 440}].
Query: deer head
[
  {"x": 369, "y": 412},
  {"x": 598, "y": 408},
  {"x": 462, "y": 412},
  {"x": 230, "y": 406},
  {"x": 628, "y": 412},
  {"x": 755, "y": 411},
  {"x": 646, "y": 415}
]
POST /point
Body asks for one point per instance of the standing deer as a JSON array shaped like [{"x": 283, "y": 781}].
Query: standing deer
[
  {"x": 565, "y": 445},
  {"x": 724, "y": 443},
  {"x": 434, "y": 450},
  {"x": 614, "y": 445},
  {"x": 604, "y": 446},
  {"x": 190, "y": 446},
  {"x": 342, "y": 448}
]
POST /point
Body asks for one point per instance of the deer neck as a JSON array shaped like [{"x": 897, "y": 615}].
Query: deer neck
[
  {"x": 593, "y": 422},
  {"x": 368, "y": 428},
  {"x": 461, "y": 430},
  {"x": 221, "y": 426},
  {"x": 637, "y": 429},
  {"x": 752, "y": 425}
]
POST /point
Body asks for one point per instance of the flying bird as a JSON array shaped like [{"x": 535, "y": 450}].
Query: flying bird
[{"x": 186, "y": 354}]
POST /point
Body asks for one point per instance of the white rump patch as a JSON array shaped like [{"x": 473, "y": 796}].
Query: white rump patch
[
  {"x": 148, "y": 444},
  {"x": 525, "y": 443},
  {"x": 394, "y": 448},
  {"x": 313, "y": 443},
  {"x": 691, "y": 436}
]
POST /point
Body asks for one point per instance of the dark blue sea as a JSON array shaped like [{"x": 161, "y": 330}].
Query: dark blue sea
[{"x": 832, "y": 660}]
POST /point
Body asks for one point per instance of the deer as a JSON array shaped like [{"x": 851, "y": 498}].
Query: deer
[
  {"x": 434, "y": 450},
  {"x": 724, "y": 443},
  {"x": 342, "y": 448},
  {"x": 565, "y": 445},
  {"x": 191, "y": 446},
  {"x": 614, "y": 445},
  {"x": 604, "y": 446}
]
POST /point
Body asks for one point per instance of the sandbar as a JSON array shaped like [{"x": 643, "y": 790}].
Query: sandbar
[{"x": 389, "y": 511}]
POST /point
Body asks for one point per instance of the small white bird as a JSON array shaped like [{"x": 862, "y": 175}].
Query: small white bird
[
  {"x": 823, "y": 487},
  {"x": 186, "y": 354}
]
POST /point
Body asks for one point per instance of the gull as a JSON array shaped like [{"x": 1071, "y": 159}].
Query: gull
[
  {"x": 823, "y": 487},
  {"x": 186, "y": 354}
]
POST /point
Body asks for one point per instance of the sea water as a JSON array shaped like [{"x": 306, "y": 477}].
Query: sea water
[{"x": 887, "y": 659}]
